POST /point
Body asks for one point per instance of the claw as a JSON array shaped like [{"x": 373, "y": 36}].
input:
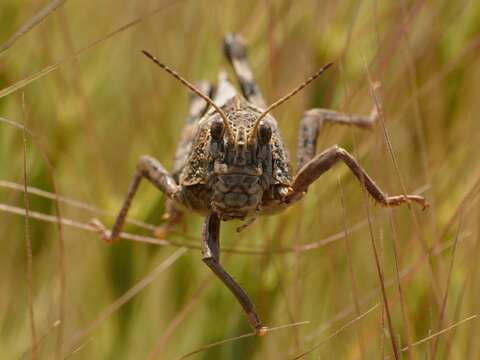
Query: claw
[
  {"x": 419, "y": 200},
  {"x": 162, "y": 231},
  {"x": 425, "y": 205},
  {"x": 166, "y": 216},
  {"x": 377, "y": 85},
  {"x": 261, "y": 331},
  {"x": 102, "y": 230},
  {"x": 255, "y": 322}
]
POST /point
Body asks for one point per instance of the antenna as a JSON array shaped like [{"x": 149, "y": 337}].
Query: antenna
[
  {"x": 194, "y": 89},
  {"x": 287, "y": 97}
]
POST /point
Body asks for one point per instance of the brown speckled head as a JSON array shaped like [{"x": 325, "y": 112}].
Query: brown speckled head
[{"x": 243, "y": 166}]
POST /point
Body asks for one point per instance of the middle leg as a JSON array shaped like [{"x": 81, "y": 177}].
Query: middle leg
[
  {"x": 312, "y": 122},
  {"x": 211, "y": 257}
]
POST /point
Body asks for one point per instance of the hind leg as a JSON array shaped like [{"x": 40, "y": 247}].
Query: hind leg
[{"x": 236, "y": 53}]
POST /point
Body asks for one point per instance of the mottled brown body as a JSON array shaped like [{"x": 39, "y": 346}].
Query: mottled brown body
[{"x": 231, "y": 162}]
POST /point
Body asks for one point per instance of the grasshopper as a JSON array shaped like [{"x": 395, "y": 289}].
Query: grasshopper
[{"x": 231, "y": 162}]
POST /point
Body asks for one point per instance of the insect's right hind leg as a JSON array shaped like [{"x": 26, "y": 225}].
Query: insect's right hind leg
[
  {"x": 236, "y": 52},
  {"x": 150, "y": 169},
  {"x": 312, "y": 122}
]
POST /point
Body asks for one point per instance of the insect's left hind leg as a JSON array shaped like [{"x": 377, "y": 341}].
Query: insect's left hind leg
[
  {"x": 236, "y": 53},
  {"x": 324, "y": 161},
  {"x": 313, "y": 121}
]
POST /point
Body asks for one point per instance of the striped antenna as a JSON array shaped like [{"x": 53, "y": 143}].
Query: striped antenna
[
  {"x": 195, "y": 90},
  {"x": 287, "y": 97}
]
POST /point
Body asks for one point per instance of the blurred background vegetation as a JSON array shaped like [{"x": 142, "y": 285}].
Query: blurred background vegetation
[{"x": 96, "y": 112}]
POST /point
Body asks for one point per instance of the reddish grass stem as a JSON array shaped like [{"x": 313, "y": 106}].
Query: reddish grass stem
[
  {"x": 28, "y": 240},
  {"x": 447, "y": 285},
  {"x": 382, "y": 285}
]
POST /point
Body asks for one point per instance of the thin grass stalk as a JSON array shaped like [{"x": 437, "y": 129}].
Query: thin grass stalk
[
  {"x": 28, "y": 241},
  {"x": 31, "y": 23},
  {"x": 447, "y": 285}
]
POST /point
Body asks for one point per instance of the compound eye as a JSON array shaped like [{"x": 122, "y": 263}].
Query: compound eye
[
  {"x": 216, "y": 129},
  {"x": 264, "y": 133}
]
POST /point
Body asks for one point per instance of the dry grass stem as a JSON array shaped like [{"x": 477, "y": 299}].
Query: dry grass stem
[
  {"x": 336, "y": 332},
  {"x": 79, "y": 335},
  {"x": 28, "y": 242},
  {"x": 236, "y": 338},
  {"x": 31, "y": 23},
  {"x": 438, "y": 333},
  {"x": 47, "y": 70}
]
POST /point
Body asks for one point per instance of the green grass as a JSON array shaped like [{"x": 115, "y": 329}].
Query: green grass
[{"x": 95, "y": 115}]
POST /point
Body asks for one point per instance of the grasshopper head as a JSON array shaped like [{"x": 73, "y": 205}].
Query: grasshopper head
[
  {"x": 242, "y": 159},
  {"x": 238, "y": 145}
]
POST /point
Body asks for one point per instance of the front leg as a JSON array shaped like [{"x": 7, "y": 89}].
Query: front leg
[
  {"x": 154, "y": 172},
  {"x": 324, "y": 161},
  {"x": 211, "y": 257}
]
